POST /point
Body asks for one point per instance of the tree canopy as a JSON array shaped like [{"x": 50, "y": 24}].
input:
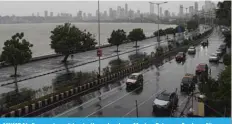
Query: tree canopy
[
  {"x": 67, "y": 39},
  {"x": 16, "y": 51},
  {"x": 117, "y": 37},
  {"x": 192, "y": 25},
  {"x": 136, "y": 35},
  {"x": 223, "y": 13}
]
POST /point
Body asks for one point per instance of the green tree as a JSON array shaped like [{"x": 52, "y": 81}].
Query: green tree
[
  {"x": 117, "y": 37},
  {"x": 161, "y": 33},
  {"x": 223, "y": 13},
  {"x": 192, "y": 25},
  {"x": 67, "y": 39},
  {"x": 170, "y": 31},
  {"x": 218, "y": 92},
  {"x": 227, "y": 59},
  {"x": 16, "y": 51},
  {"x": 180, "y": 28},
  {"x": 136, "y": 35}
]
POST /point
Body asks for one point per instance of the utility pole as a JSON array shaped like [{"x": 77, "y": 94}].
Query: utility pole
[
  {"x": 99, "y": 57},
  {"x": 186, "y": 16},
  {"x": 158, "y": 37},
  {"x": 137, "y": 111}
]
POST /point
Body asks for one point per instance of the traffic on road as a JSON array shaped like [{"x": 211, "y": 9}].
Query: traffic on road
[{"x": 161, "y": 90}]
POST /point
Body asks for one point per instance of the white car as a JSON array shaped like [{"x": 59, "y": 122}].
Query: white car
[
  {"x": 165, "y": 101},
  {"x": 192, "y": 50},
  {"x": 213, "y": 58},
  {"x": 134, "y": 79}
]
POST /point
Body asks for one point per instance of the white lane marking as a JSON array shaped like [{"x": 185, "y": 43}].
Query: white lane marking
[
  {"x": 117, "y": 99},
  {"x": 142, "y": 103},
  {"x": 105, "y": 94},
  {"x": 69, "y": 110}
]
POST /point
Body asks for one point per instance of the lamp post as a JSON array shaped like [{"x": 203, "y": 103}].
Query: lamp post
[
  {"x": 99, "y": 56},
  {"x": 186, "y": 16},
  {"x": 158, "y": 38}
]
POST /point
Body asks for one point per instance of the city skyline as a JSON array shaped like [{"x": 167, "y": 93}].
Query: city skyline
[{"x": 53, "y": 7}]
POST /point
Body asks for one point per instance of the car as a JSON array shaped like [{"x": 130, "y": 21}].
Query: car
[
  {"x": 202, "y": 68},
  {"x": 192, "y": 50},
  {"x": 180, "y": 56},
  {"x": 134, "y": 79},
  {"x": 204, "y": 43},
  {"x": 165, "y": 101},
  {"x": 219, "y": 52},
  {"x": 214, "y": 57},
  {"x": 223, "y": 46},
  {"x": 188, "y": 83}
]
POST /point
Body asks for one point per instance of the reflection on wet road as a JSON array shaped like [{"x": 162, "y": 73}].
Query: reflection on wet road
[{"x": 115, "y": 101}]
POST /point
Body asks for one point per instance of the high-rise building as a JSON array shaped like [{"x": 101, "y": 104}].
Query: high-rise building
[
  {"x": 173, "y": 14},
  {"x": 51, "y": 14},
  {"x": 166, "y": 14},
  {"x": 79, "y": 15},
  {"x": 111, "y": 13},
  {"x": 46, "y": 13},
  {"x": 37, "y": 14},
  {"x": 161, "y": 13},
  {"x": 119, "y": 11},
  {"x": 126, "y": 9},
  {"x": 191, "y": 10},
  {"x": 196, "y": 7},
  {"x": 181, "y": 12},
  {"x": 84, "y": 15},
  {"x": 151, "y": 9},
  {"x": 105, "y": 14}
]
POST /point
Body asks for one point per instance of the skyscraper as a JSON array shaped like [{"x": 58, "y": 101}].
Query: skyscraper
[
  {"x": 126, "y": 9},
  {"x": 37, "y": 14},
  {"x": 46, "y": 13},
  {"x": 161, "y": 13},
  {"x": 181, "y": 12},
  {"x": 79, "y": 14},
  {"x": 166, "y": 14},
  {"x": 151, "y": 9},
  {"x": 196, "y": 7},
  {"x": 119, "y": 11},
  {"x": 191, "y": 10},
  {"x": 51, "y": 14},
  {"x": 111, "y": 13}
]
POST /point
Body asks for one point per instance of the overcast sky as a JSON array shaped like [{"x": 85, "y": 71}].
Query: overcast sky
[{"x": 28, "y": 7}]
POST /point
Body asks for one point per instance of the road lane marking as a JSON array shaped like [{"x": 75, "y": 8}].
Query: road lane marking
[
  {"x": 69, "y": 110},
  {"x": 143, "y": 102},
  {"x": 118, "y": 99}
]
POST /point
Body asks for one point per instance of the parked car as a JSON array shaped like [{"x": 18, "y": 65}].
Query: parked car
[
  {"x": 2, "y": 63},
  {"x": 180, "y": 56},
  {"x": 192, "y": 50},
  {"x": 134, "y": 79},
  {"x": 214, "y": 57},
  {"x": 166, "y": 101},
  {"x": 188, "y": 83},
  {"x": 219, "y": 52},
  {"x": 223, "y": 46},
  {"x": 202, "y": 68}
]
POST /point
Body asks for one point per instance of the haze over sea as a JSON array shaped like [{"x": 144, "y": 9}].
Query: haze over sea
[{"x": 39, "y": 34}]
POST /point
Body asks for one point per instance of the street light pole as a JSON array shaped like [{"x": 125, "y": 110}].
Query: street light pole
[
  {"x": 186, "y": 16},
  {"x": 158, "y": 37},
  {"x": 99, "y": 57}
]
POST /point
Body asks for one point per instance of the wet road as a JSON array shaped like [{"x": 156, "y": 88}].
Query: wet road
[
  {"x": 38, "y": 83},
  {"x": 116, "y": 101}
]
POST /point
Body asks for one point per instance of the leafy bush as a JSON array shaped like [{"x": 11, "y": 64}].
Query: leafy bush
[{"x": 227, "y": 59}]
